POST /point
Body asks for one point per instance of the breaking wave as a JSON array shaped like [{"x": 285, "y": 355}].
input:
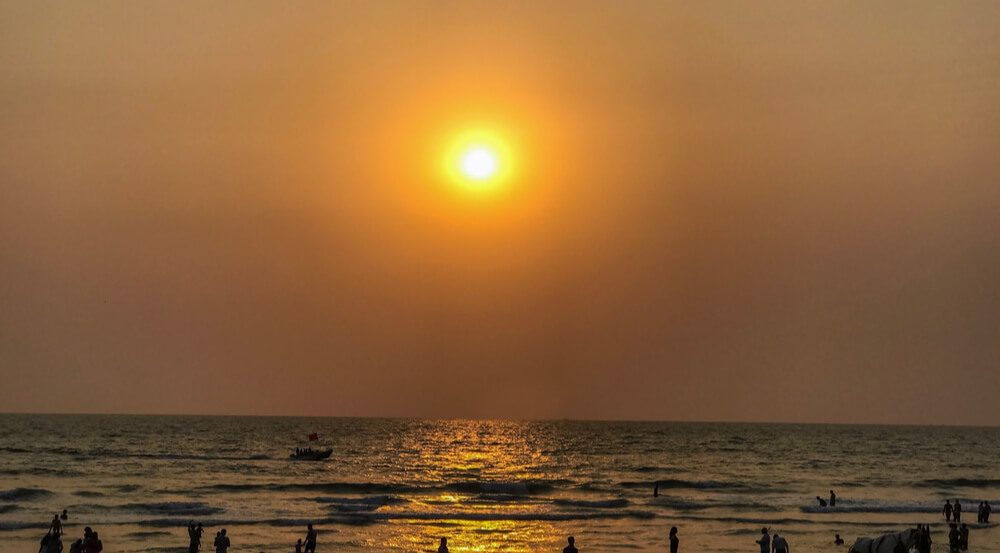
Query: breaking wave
[{"x": 23, "y": 494}]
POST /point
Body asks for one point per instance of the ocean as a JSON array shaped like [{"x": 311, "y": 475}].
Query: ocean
[{"x": 401, "y": 484}]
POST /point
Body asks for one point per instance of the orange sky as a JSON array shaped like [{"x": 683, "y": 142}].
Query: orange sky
[{"x": 778, "y": 211}]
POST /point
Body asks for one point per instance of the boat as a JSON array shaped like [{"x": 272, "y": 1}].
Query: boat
[{"x": 311, "y": 454}]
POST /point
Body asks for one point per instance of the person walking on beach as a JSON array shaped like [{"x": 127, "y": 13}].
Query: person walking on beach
[
  {"x": 764, "y": 541},
  {"x": 957, "y": 511},
  {"x": 963, "y": 537},
  {"x": 298, "y": 546},
  {"x": 947, "y": 510},
  {"x": 979, "y": 516},
  {"x": 222, "y": 542},
  {"x": 674, "y": 542},
  {"x": 986, "y": 511},
  {"x": 92, "y": 543},
  {"x": 778, "y": 544},
  {"x": 923, "y": 539},
  {"x": 55, "y": 544},
  {"x": 833, "y": 499},
  {"x": 954, "y": 537},
  {"x": 443, "y": 548},
  {"x": 56, "y": 526},
  {"x": 570, "y": 548},
  {"x": 193, "y": 543},
  {"x": 310, "y": 539}
]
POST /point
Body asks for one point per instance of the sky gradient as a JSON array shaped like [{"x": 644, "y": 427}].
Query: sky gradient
[{"x": 721, "y": 211}]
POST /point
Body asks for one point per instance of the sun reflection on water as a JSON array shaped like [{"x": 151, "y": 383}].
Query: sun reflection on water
[{"x": 486, "y": 472}]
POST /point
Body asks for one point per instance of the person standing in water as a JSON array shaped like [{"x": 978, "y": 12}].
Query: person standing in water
[
  {"x": 56, "y": 526},
  {"x": 822, "y": 502},
  {"x": 764, "y": 541},
  {"x": 443, "y": 548},
  {"x": 310, "y": 539},
  {"x": 957, "y": 511},
  {"x": 674, "y": 542},
  {"x": 833, "y": 499},
  {"x": 947, "y": 510},
  {"x": 221, "y": 542},
  {"x": 570, "y": 548},
  {"x": 837, "y": 540},
  {"x": 656, "y": 490},
  {"x": 779, "y": 545}
]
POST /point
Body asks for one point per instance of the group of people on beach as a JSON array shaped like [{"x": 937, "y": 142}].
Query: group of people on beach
[
  {"x": 772, "y": 544},
  {"x": 833, "y": 500},
  {"x": 52, "y": 541},
  {"x": 222, "y": 542},
  {"x": 955, "y": 511}
]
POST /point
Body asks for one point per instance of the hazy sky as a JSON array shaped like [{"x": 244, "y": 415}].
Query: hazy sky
[{"x": 763, "y": 211}]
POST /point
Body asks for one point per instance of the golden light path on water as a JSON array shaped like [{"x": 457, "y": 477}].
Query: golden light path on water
[{"x": 492, "y": 452}]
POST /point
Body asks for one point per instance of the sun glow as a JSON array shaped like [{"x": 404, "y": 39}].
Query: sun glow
[
  {"x": 479, "y": 160},
  {"x": 479, "y": 163}
]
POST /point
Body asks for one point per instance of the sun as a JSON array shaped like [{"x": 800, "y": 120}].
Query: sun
[{"x": 479, "y": 163}]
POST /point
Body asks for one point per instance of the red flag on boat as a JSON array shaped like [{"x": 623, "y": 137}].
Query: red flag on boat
[{"x": 313, "y": 437}]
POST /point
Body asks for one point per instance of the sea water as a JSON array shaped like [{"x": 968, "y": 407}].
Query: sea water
[{"x": 401, "y": 484}]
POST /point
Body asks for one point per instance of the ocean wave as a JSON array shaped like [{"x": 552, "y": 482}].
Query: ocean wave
[
  {"x": 16, "y": 525},
  {"x": 151, "y": 534},
  {"x": 677, "y": 484},
  {"x": 359, "y": 504},
  {"x": 492, "y": 516},
  {"x": 875, "y": 507},
  {"x": 331, "y": 488},
  {"x": 657, "y": 469},
  {"x": 88, "y": 493},
  {"x": 368, "y": 488},
  {"x": 23, "y": 494},
  {"x": 499, "y": 488},
  {"x": 174, "y": 508},
  {"x": 8, "y": 508},
  {"x": 959, "y": 482},
  {"x": 605, "y": 504},
  {"x": 678, "y": 504}
]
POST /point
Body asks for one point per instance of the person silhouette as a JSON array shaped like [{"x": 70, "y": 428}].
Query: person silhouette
[
  {"x": 954, "y": 537},
  {"x": 822, "y": 502},
  {"x": 963, "y": 537},
  {"x": 779, "y": 545},
  {"x": 222, "y": 542},
  {"x": 570, "y": 548},
  {"x": 298, "y": 546},
  {"x": 56, "y": 526},
  {"x": 837, "y": 540},
  {"x": 64, "y": 515},
  {"x": 656, "y": 490},
  {"x": 833, "y": 499},
  {"x": 947, "y": 510},
  {"x": 674, "y": 542},
  {"x": 310, "y": 539},
  {"x": 443, "y": 548},
  {"x": 957, "y": 511},
  {"x": 764, "y": 541}
]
